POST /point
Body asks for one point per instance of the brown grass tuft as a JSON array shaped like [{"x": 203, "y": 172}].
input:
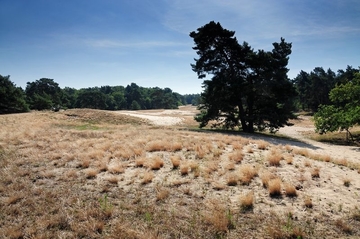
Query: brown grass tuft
[
  {"x": 147, "y": 177},
  {"x": 275, "y": 187},
  {"x": 91, "y": 173},
  {"x": 236, "y": 156},
  {"x": 290, "y": 190},
  {"x": 247, "y": 173},
  {"x": 175, "y": 160},
  {"x": 315, "y": 173},
  {"x": 308, "y": 202},
  {"x": 161, "y": 193},
  {"x": 140, "y": 162},
  {"x": 262, "y": 144},
  {"x": 274, "y": 157},
  {"x": 155, "y": 163},
  {"x": 247, "y": 201},
  {"x": 232, "y": 179},
  {"x": 265, "y": 177}
]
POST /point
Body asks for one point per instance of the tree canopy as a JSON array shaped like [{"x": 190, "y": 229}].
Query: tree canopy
[
  {"x": 12, "y": 98},
  {"x": 344, "y": 110},
  {"x": 247, "y": 89}
]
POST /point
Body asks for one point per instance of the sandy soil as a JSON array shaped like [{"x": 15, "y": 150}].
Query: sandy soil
[{"x": 298, "y": 131}]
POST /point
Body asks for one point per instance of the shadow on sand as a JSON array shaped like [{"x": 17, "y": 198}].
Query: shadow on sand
[{"x": 272, "y": 139}]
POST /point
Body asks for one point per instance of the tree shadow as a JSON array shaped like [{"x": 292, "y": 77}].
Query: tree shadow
[{"x": 272, "y": 139}]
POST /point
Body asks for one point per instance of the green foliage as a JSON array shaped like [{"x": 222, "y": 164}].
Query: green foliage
[
  {"x": 43, "y": 94},
  {"x": 247, "y": 89},
  {"x": 12, "y": 98},
  {"x": 313, "y": 88},
  {"x": 344, "y": 112}
]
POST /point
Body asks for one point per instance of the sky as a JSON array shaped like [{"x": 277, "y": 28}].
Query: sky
[{"x": 88, "y": 43}]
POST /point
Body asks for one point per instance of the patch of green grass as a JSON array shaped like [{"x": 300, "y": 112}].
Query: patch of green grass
[{"x": 87, "y": 127}]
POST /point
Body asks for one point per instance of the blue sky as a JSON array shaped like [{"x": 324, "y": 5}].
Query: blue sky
[{"x": 86, "y": 43}]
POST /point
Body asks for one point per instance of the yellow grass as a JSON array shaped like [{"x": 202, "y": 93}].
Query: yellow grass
[{"x": 98, "y": 174}]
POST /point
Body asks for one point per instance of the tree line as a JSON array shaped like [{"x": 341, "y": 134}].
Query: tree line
[
  {"x": 249, "y": 89},
  {"x": 45, "y": 94}
]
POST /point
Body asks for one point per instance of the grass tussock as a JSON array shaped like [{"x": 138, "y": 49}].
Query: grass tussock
[
  {"x": 247, "y": 173},
  {"x": 274, "y": 187},
  {"x": 274, "y": 157},
  {"x": 175, "y": 160},
  {"x": 147, "y": 177},
  {"x": 290, "y": 190},
  {"x": 247, "y": 201},
  {"x": 237, "y": 156}
]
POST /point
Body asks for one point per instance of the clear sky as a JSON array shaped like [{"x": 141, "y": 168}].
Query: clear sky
[{"x": 86, "y": 43}]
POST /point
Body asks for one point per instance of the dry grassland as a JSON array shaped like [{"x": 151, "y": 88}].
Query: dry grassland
[{"x": 97, "y": 174}]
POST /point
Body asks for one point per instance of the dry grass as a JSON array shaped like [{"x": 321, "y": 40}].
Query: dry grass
[
  {"x": 147, "y": 177},
  {"x": 262, "y": 145},
  {"x": 92, "y": 173},
  {"x": 155, "y": 163},
  {"x": 247, "y": 172},
  {"x": 247, "y": 201},
  {"x": 315, "y": 173},
  {"x": 237, "y": 156},
  {"x": 274, "y": 187},
  {"x": 232, "y": 179},
  {"x": 290, "y": 190},
  {"x": 175, "y": 160},
  {"x": 274, "y": 157},
  {"x": 308, "y": 202}
]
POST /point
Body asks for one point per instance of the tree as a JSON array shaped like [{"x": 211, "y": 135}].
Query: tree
[
  {"x": 344, "y": 112},
  {"x": 12, "y": 98},
  {"x": 43, "y": 94},
  {"x": 247, "y": 89}
]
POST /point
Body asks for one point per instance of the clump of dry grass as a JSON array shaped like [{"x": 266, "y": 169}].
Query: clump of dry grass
[
  {"x": 247, "y": 201},
  {"x": 140, "y": 161},
  {"x": 343, "y": 226},
  {"x": 184, "y": 168},
  {"x": 116, "y": 168},
  {"x": 237, "y": 156},
  {"x": 113, "y": 179},
  {"x": 155, "y": 163},
  {"x": 91, "y": 173},
  {"x": 274, "y": 157},
  {"x": 156, "y": 145},
  {"x": 265, "y": 177},
  {"x": 147, "y": 177},
  {"x": 308, "y": 202},
  {"x": 274, "y": 187},
  {"x": 218, "y": 216},
  {"x": 315, "y": 173},
  {"x": 175, "y": 160},
  {"x": 232, "y": 179},
  {"x": 161, "y": 193},
  {"x": 262, "y": 144},
  {"x": 301, "y": 151},
  {"x": 218, "y": 185},
  {"x": 290, "y": 190},
  {"x": 341, "y": 162},
  {"x": 247, "y": 173}
]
